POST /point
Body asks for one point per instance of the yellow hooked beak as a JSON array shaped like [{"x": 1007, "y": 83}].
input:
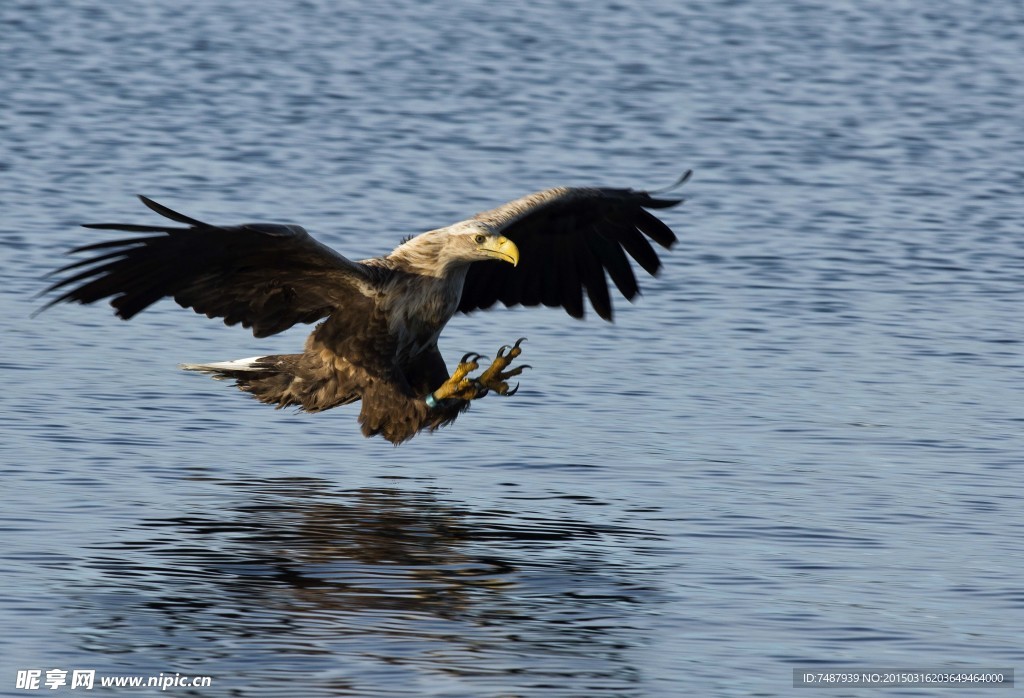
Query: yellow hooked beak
[{"x": 501, "y": 248}]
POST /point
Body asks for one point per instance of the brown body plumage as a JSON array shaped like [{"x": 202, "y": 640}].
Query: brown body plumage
[{"x": 381, "y": 317}]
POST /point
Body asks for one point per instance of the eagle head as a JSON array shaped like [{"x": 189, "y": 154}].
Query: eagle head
[
  {"x": 471, "y": 241},
  {"x": 458, "y": 245}
]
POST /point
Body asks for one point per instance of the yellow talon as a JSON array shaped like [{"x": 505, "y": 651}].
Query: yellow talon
[{"x": 461, "y": 387}]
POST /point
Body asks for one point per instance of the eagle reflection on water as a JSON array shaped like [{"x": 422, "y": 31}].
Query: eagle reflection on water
[{"x": 401, "y": 577}]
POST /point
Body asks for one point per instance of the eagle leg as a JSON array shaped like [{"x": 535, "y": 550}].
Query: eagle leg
[
  {"x": 460, "y": 386},
  {"x": 495, "y": 377}
]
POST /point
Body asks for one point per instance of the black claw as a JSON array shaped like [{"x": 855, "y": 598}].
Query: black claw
[
  {"x": 466, "y": 358},
  {"x": 501, "y": 351},
  {"x": 524, "y": 367},
  {"x": 519, "y": 341},
  {"x": 509, "y": 393}
]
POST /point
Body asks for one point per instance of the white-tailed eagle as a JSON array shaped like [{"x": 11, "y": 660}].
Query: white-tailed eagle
[{"x": 381, "y": 316}]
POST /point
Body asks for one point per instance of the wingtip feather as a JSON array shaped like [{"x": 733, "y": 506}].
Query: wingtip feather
[
  {"x": 683, "y": 179},
  {"x": 168, "y": 213}
]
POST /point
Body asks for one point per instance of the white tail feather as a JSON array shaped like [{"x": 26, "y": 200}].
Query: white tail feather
[{"x": 218, "y": 366}]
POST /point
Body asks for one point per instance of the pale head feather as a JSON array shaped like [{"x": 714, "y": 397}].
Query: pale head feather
[{"x": 438, "y": 252}]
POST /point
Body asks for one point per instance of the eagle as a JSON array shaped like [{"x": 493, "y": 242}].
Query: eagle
[{"x": 379, "y": 318}]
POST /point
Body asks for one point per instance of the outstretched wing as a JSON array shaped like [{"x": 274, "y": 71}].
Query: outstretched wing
[
  {"x": 568, "y": 239},
  {"x": 265, "y": 276}
]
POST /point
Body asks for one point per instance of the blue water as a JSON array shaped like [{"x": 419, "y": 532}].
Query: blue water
[{"x": 802, "y": 446}]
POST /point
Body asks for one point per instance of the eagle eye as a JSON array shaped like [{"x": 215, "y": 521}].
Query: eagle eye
[{"x": 479, "y": 238}]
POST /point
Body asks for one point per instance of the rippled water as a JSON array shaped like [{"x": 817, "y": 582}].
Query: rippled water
[{"x": 802, "y": 446}]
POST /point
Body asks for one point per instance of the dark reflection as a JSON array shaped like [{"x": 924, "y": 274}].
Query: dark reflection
[{"x": 362, "y": 591}]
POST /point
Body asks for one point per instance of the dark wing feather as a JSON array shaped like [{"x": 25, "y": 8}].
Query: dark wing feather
[
  {"x": 570, "y": 240},
  {"x": 264, "y": 276}
]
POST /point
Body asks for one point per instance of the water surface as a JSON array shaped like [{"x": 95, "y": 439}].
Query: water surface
[{"x": 801, "y": 446}]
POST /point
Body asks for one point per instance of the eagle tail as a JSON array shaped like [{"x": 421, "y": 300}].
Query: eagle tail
[
  {"x": 228, "y": 369},
  {"x": 279, "y": 380}
]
